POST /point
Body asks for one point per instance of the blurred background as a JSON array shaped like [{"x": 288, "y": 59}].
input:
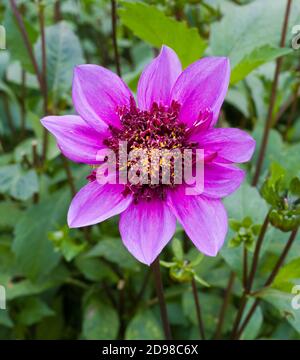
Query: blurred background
[{"x": 61, "y": 283}]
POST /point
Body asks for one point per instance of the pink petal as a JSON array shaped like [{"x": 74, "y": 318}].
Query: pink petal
[
  {"x": 203, "y": 85},
  {"x": 146, "y": 228},
  {"x": 158, "y": 78},
  {"x": 97, "y": 92},
  {"x": 204, "y": 220},
  {"x": 221, "y": 180},
  {"x": 75, "y": 138},
  {"x": 233, "y": 145},
  {"x": 95, "y": 203}
]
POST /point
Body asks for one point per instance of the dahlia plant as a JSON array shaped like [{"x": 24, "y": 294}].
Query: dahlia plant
[{"x": 175, "y": 109}]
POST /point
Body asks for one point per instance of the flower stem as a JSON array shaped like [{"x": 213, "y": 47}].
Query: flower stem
[
  {"x": 40, "y": 77},
  {"x": 44, "y": 76},
  {"x": 198, "y": 310},
  {"x": 245, "y": 265},
  {"x": 256, "y": 254},
  {"x": 249, "y": 284},
  {"x": 69, "y": 176},
  {"x": 57, "y": 11},
  {"x": 23, "y": 104},
  {"x": 268, "y": 281},
  {"x": 225, "y": 305},
  {"x": 114, "y": 34},
  {"x": 161, "y": 298},
  {"x": 27, "y": 43},
  {"x": 35, "y": 157},
  {"x": 269, "y": 120}
]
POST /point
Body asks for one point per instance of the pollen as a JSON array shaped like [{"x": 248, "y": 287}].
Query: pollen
[{"x": 156, "y": 129}]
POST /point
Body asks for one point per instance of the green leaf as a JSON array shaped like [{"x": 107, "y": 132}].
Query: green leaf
[
  {"x": 288, "y": 276},
  {"x": 246, "y": 28},
  {"x": 153, "y": 26},
  {"x": 144, "y": 326},
  {"x": 210, "y": 307},
  {"x": 26, "y": 287},
  {"x": 294, "y": 187},
  {"x": 283, "y": 303},
  {"x": 63, "y": 51},
  {"x": 254, "y": 326},
  {"x": 31, "y": 235},
  {"x": 33, "y": 310},
  {"x": 14, "y": 40},
  {"x": 94, "y": 269},
  {"x": 177, "y": 248},
  {"x": 7, "y": 259},
  {"x": 256, "y": 58},
  {"x": 9, "y": 211},
  {"x": 35, "y": 121},
  {"x": 113, "y": 250},
  {"x": 246, "y": 202},
  {"x": 17, "y": 182},
  {"x": 275, "y": 149},
  {"x": 5, "y": 319},
  {"x": 100, "y": 322},
  {"x": 66, "y": 244},
  {"x": 53, "y": 327}
]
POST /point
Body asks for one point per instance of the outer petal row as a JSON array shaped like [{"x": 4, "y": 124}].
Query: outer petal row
[
  {"x": 75, "y": 138},
  {"x": 146, "y": 228},
  {"x": 97, "y": 92},
  {"x": 203, "y": 85},
  {"x": 158, "y": 78},
  {"x": 95, "y": 203},
  {"x": 231, "y": 145},
  {"x": 204, "y": 220}
]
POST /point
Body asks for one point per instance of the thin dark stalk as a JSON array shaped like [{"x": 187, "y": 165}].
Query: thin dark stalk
[
  {"x": 57, "y": 12},
  {"x": 269, "y": 281},
  {"x": 249, "y": 284},
  {"x": 26, "y": 161},
  {"x": 114, "y": 35},
  {"x": 30, "y": 51},
  {"x": 69, "y": 176},
  {"x": 44, "y": 76},
  {"x": 27, "y": 43},
  {"x": 269, "y": 120},
  {"x": 225, "y": 305},
  {"x": 23, "y": 104},
  {"x": 121, "y": 306},
  {"x": 36, "y": 198},
  {"x": 198, "y": 310},
  {"x": 109, "y": 294},
  {"x": 9, "y": 117},
  {"x": 155, "y": 267},
  {"x": 239, "y": 315},
  {"x": 256, "y": 253},
  {"x": 245, "y": 266},
  {"x": 35, "y": 156}
]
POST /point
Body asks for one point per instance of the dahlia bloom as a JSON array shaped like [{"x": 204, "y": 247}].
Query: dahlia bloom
[{"x": 174, "y": 109}]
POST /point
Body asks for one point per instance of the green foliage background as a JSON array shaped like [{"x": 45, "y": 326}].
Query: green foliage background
[{"x": 73, "y": 284}]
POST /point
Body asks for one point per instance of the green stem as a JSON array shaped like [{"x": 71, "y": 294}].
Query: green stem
[
  {"x": 198, "y": 310},
  {"x": 269, "y": 281},
  {"x": 161, "y": 298},
  {"x": 269, "y": 120}
]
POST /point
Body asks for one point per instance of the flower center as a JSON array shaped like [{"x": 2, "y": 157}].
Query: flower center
[{"x": 159, "y": 135}]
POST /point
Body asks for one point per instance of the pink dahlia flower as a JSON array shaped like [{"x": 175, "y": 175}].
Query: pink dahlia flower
[{"x": 175, "y": 109}]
